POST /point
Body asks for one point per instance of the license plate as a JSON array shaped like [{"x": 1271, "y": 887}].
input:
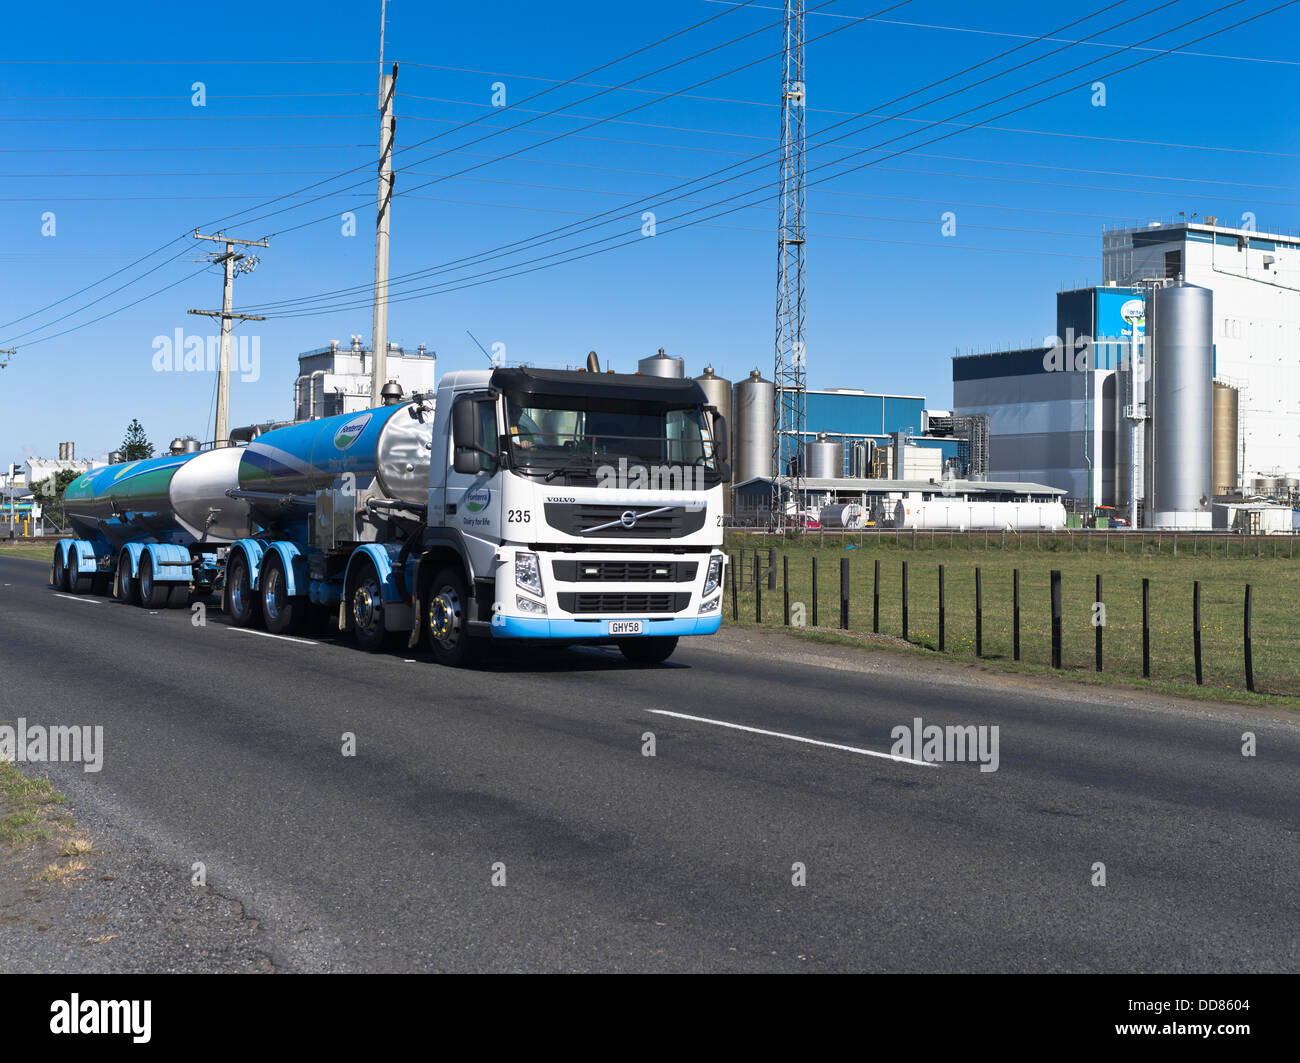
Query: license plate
[{"x": 625, "y": 627}]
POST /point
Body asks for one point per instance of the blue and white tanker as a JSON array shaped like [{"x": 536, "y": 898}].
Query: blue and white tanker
[{"x": 513, "y": 504}]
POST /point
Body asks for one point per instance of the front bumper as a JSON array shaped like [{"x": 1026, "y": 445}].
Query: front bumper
[{"x": 521, "y": 627}]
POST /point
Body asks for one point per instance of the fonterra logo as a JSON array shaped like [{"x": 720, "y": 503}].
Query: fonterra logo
[
  {"x": 477, "y": 501},
  {"x": 347, "y": 435}
]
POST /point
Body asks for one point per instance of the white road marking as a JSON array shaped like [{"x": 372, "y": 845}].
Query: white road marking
[
  {"x": 796, "y": 738},
  {"x": 268, "y": 635},
  {"x": 74, "y": 598}
]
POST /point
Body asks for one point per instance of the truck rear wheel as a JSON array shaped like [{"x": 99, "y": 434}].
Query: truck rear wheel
[
  {"x": 239, "y": 591},
  {"x": 127, "y": 588},
  {"x": 284, "y": 614},
  {"x": 366, "y": 606},
  {"x": 153, "y": 595},
  {"x": 447, "y": 618},
  {"x": 654, "y": 649},
  {"x": 59, "y": 571}
]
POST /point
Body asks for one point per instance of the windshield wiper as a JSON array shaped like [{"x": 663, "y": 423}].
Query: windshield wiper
[{"x": 563, "y": 469}]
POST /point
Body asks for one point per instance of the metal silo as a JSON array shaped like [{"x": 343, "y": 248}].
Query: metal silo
[
  {"x": 754, "y": 404},
  {"x": 661, "y": 365},
  {"x": 823, "y": 458},
  {"x": 1181, "y": 337},
  {"x": 1224, "y": 480},
  {"x": 718, "y": 391}
]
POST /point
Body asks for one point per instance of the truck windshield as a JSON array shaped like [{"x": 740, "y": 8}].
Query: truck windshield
[{"x": 551, "y": 431}]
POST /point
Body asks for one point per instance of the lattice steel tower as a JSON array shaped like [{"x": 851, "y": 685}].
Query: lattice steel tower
[{"x": 789, "y": 374}]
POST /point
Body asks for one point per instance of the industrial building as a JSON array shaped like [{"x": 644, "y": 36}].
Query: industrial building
[
  {"x": 333, "y": 380},
  {"x": 1169, "y": 386}
]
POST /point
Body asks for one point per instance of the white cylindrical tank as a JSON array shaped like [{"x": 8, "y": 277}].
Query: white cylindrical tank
[
  {"x": 823, "y": 458},
  {"x": 957, "y": 515},
  {"x": 843, "y": 515},
  {"x": 1181, "y": 339}
]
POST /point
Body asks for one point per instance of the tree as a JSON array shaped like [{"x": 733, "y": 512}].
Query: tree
[
  {"x": 48, "y": 493},
  {"x": 135, "y": 445}
]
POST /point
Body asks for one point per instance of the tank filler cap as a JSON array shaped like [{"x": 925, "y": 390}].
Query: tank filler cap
[{"x": 391, "y": 393}]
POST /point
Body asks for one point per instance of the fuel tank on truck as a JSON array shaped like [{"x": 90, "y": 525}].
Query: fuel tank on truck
[
  {"x": 127, "y": 501},
  {"x": 388, "y": 444}
]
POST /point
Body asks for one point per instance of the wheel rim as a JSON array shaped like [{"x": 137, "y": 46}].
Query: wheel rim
[
  {"x": 146, "y": 579},
  {"x": 444, "y": 617},
  {"x": 239, "y": 589},
  {"x": 124, "y": 579},
  {"x": 367, "y": 606},
  {"x": 273, "y": 594}
]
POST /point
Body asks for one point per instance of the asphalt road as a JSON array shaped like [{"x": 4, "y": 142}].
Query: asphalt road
[{"x": 224, "y": 746}]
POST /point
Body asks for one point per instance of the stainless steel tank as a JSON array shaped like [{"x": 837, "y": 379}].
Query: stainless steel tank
[
  {"x": 754, "y": 404},
  {"x": 847, "y": 515},
  {"x": 1225, "y": 439},
  {"x": 717, "y": 390},
  {"x": 823, "y": 458},
  {"x": 198, "y": 497},
  {"x": 861, "y": 459},
  {"x": 662, "y": 365},
  {"x": 1181, "y": 337}
]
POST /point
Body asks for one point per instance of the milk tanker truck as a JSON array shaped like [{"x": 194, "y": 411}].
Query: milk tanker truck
[{"x": 513, "y": 504}]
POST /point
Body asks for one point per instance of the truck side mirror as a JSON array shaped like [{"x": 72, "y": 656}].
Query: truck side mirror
[
  {"x": 720, "y": 438},
  {"x": 464, "y": 437}
]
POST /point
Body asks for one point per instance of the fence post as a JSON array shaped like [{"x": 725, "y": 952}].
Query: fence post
[
  {"x": 1250, "y": 660},
  {"x": 758, "y": 596},
  {"x": 844, "y": 593},
  {"x": 979, "y": 613},
  {"x": 1015, "y": 614},
  {"x": 1146, "y": 628},
  {"x": 1098, "y": 614},
  {"x": 785, "y": 585},
  {"x": 771, "y": 568},
  {"x": 905, "y": 639},
  {"x": 941, "y": 611},
  {"x": 1196, "y": 627},
  {"x": 1056, "y": 618},
  {"x": 735, "y": 601},
  {"x": 875, "y": 601},
  {"x": 814, "y": 590}
]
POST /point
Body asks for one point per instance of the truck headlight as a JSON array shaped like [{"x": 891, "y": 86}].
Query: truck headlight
[
  {"x": 528, "y": 573},
  {"x": 527, "y": 605},
  {"x": 714, "y": 576}
]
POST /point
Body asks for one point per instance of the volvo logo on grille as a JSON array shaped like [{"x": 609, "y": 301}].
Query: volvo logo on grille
[{"x": 628, "y": 518}]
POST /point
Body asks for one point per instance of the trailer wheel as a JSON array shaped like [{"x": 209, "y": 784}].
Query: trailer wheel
[
  {"x": 448, "y": 620},
  {"x": 283, "y": 613},
  {"x": 239, "y": 591},
  {"x": 652, "y": 650},
  {"x": 153, "y": 595},
  {"x": 59, "y": 571},
  {"x": 127, "y": 587},
  {"x": 365, "y": 598},
  {"x": 100, "y": 583},
  {"x": 78, "y": 582},
  {"x": 179, "y": 596}
]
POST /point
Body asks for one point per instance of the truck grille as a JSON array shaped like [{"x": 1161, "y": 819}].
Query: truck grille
[
  {"x": 625, "y": 571},
  {"x": 575, "y": 518},
  {"x": 624, "y": 603}
]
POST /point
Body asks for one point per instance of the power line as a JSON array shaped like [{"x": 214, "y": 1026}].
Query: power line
[
  {"x": 760, "y": 158},
  {"x": 474, "y": 279}
]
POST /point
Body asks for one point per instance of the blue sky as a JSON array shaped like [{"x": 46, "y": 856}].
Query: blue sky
[{"x": 99, "y": 130}]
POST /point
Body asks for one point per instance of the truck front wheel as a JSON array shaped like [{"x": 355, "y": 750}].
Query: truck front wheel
[
  {"x": 447, "y": 618},
  {"x": 654, "y": 649}
]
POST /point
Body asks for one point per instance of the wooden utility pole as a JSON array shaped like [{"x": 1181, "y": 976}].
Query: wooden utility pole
[
  {"x": 230, "y": 261},
  {"x": 387, "y": 131}
]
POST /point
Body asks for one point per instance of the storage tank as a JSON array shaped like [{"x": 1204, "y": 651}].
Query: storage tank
[
  {"x": 848, "y": 515},
  {"x": 754, "y": 404},
  {"x": 823, "y": 458},
  {"x": 860, "y": 459},
  {"x": 661, "y": 365},
  {"x": 1181, "y": 340},
  {"x": 1224, "y": 479},
  {"x": 717, "y": 390},
  {"x": 957, "y": 515}
]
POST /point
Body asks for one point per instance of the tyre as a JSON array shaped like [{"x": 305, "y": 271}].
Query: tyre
[
  {"x": 153, "y": 595},
  {"x": 179, "y": 596},
  {"x": 59, "y": 571},
  {"x": 240, "y": 597},
  {"x": 447, "y": 620},
  {"x": 284, "y": 614},
  {"x": 128, "y": 587},
  {"x": 79, "y": 582},
  {"x": 101, "y": 583},
  {"x": 654, "y": 649},
  {"x": 365, "y": 601}
]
